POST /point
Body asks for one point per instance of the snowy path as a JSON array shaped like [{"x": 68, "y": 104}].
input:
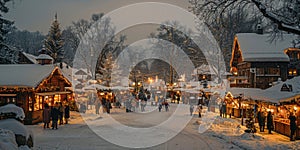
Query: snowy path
[{"x": 222, "y": 135}]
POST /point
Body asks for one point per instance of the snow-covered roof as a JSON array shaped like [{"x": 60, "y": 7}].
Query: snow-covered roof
[
  {"x": 258, "y": 47},
  {"x": 31, "y": 57},
  {"x": 277, "y": 95},
  {"x": 28, "y": 75},
  {"x": 67, "y": 72},
  {"x": 294, "y": 82},
  {"x": 246, "y": 93},
  {"x": 272, "y": 94},
  {"x": 44, "y": 56}
]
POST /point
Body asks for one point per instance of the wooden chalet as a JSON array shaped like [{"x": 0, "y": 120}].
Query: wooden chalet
[
  {"x": 30, "y": 86},
  {"x": 257, "y": 62}
]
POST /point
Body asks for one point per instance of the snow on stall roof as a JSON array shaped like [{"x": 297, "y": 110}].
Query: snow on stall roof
[
  {"x": 258, "y": 47},
  {"x": 44, "y": 56},
  {"x": 12, "y": 108},
  {"x": 246, "y": 92},
  {"x": 272, "y": 94},
  {"x": 28, "y": 75},
  {"x": 275, "y": 92}
]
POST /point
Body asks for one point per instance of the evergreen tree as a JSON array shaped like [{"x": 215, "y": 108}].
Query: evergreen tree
[
  {"x": 8, "y": 54},
  {"x": 250, "y": 122},
  {"x": 105, "y": 69},
  {"x": 54, "y": 42}
]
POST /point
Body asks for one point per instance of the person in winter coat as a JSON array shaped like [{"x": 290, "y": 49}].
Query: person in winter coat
[
  {"x": 293, "y": 126},
  {"x": 108, "y": 106},
  {"x": 46, "y": 115},
  {"x": 61, "y": 113},
  {"x": 159, "y": 107},
  {"x": 199, "y": 110},
  {"x": 261, "y": 121},
  {"x": 191, "y": 109},
  {"x": 270, "y": 122},
  {"x": 54, "y": 116},
  {"x": 67, "y": 113},
  {"x": 166, "y": 106},
  {"x": 97, "y": 106}
]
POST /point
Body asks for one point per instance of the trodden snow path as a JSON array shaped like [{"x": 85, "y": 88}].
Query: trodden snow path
[
  {"x": 223, "y": 134},
  {"x": 78, "y": 135}
]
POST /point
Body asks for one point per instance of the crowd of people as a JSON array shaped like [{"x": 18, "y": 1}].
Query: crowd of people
[
  {"x": 262, "y": 119},
  {"x": 56, "y": 114}
]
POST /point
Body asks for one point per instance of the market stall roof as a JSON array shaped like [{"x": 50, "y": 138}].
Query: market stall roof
[
  {"x": 95, "y": 87},
  {"x": 258, "y": 47},
  {"x": 44, "y": 56},
  {"x": 247, "y": 93},
  {"x": 284, "y": 91},
  {"x": 27, "y": 75}
]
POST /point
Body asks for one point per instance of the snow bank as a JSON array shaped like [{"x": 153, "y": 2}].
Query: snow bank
[
  {"x": 231, "y": 131},
  {"x": 15, "y": 126},
  {"x": 7, "y": 140},
  {"x": 12, "y": 108}
]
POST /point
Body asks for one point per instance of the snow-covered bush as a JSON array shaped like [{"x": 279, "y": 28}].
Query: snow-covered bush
[
  {"x": 11, "y": 115},
  {"x": 12, "y": 111},
  {"x": 7, "y": 140}
]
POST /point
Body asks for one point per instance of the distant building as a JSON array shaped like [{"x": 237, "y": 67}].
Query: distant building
[
  {"x": 26, "y": 58},
  {"x": 257, "y": 62}
]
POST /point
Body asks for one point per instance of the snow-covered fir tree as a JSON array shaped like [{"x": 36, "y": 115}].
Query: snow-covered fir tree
[
  {"x": 109, "y": 72},
  {"x": 8, "y": 54},
  {"x": 54, "y": 42},
  {"x": 105, "y": 69},
  {"x": 250, "y": 122}
]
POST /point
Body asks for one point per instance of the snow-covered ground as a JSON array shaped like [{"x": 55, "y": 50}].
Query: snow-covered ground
[
  {"x": 230, "y": 131},
  {"x": 224, "y": 133}
]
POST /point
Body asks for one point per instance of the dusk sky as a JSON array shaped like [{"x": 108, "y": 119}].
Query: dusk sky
[{"x": 37, "y": 15}]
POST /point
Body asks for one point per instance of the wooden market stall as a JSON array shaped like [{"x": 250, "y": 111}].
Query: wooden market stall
[
  {"x": 30, "y": 86},
  {"x": 282, "y": 100},
  {"x": 238, "y": 101}
]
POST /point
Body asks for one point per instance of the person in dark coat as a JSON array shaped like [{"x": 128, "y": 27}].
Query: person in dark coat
[
  {"x": 293, "y": 126},
  {"x": 54, "y": 116},
  {"x": 166, "y": 106},
  {"x": 261, "y": 121},
  {"x": 46, "y": 115},
  {"x": 61, "y": 113},
  {"x": 270, "y": 122},
  {"x": 191, "y": 109},
  {"x": 67, "y": 113},
  {"x": 97, "y": 106},
  {"x": 199, "y": 110},
  {"x": 108, "y": 106},
  {"x": 103, "y": 103},
  {"x": 224, "y": 113}
]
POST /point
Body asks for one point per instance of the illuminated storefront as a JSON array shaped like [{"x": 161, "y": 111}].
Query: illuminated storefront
[{"x": 30, "y": 86}]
